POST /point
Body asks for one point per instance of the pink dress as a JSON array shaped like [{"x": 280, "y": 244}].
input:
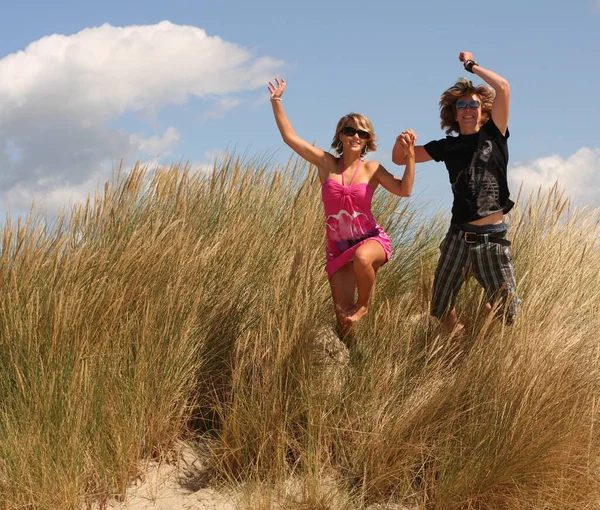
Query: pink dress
[{"x": 349, "y": 222}]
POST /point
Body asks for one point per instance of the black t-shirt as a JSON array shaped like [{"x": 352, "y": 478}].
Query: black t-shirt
[{"x": 476, "y": 166}]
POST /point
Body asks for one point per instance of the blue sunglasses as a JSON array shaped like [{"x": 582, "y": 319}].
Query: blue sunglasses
[{"x": 461, "y": 105}]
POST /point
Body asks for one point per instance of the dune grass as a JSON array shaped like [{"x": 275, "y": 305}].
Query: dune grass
[{"x": 176, "y": 305}]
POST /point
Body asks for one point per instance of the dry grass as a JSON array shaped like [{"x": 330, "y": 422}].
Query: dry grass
[{"x": 175, "y": 304}]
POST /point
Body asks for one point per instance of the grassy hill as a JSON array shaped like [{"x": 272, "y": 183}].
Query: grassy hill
[{"x": 175, "y": 305}]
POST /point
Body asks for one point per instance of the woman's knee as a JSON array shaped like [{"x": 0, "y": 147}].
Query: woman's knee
[
  {"x": 369, "y": 255},
  {"x": 362, "y": 259}
]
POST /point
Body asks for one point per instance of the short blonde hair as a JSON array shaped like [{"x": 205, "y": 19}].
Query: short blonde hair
[
  {"x": 361, "y": 122},
  {"x": 459, "y": 89}
]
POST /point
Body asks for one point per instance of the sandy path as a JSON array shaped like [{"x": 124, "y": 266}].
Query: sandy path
[{"x": 173, "y": 486}]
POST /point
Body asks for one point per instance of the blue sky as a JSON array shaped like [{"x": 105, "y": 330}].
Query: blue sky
[{"x": 83, "y": 86}]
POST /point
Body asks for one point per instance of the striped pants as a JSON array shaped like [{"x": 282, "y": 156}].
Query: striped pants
[{"x": 490, "y": 263}]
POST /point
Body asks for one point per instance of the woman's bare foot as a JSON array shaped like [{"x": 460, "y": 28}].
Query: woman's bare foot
[
  {"x": 341, "y": 315},
  {"x": 343, "y": 326},
  {"x": 357, "y": 315}
]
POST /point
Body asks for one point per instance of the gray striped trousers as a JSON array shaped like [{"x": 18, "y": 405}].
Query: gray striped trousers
[{"x": 491, "y": 264}]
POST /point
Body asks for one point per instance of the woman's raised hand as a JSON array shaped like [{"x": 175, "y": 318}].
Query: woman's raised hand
[{"x": 276, "y": 90}]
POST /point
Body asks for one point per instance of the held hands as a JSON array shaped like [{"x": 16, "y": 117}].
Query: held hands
[
  {"x": 407, "y": 140},
  {"x": 277, "y": 89}
]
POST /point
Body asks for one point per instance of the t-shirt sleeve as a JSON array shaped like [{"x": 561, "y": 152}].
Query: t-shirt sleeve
[
  {"x": 491, "y": 129},
  {"x": 436, "y": 149}
]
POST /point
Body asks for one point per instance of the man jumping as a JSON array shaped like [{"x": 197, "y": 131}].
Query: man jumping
[{"x": 476, "y": 161}]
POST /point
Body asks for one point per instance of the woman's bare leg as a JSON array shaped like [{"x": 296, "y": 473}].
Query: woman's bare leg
[
  {"x": 367, "y": 258},
  {"x": 343, "y": 290}
]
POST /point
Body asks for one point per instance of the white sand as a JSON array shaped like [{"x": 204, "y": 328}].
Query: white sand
[{"x": 173, "y": 486}]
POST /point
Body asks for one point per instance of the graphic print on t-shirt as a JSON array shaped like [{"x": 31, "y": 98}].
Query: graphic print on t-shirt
[{"x": 478, "y": 184}]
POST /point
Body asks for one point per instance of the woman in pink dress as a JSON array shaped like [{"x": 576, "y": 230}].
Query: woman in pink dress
[{"x": 356, "y": 245}]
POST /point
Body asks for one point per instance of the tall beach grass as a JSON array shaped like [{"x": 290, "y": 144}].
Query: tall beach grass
[{"x": 179, "y": 305}]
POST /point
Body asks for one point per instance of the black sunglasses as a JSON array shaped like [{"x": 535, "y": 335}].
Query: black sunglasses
[
  {"x": 461, "y": 105},
  {"x": 350, "y": 131}
]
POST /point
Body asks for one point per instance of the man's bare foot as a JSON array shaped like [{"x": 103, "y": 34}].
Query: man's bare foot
[
  {"x": 450, "y": 325},
  {"x": 458, "y": 331},
  {"x": 357, "y": 315}
]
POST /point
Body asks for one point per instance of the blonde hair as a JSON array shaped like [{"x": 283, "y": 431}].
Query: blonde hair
[
  {"x": 361, "y": 122},
  {"x": 459, "y": 89}
]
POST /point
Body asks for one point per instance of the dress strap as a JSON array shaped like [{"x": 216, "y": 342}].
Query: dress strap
[{"x": 353, "y": 175}]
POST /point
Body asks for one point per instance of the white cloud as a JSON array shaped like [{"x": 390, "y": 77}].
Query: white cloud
[
  {"x": 578, "y": 175},
  {"x": 224, "y": 105},
  {"x": 155, "y": 144},
  {"x": 58, "y": 95},
  {"x": 52, "y": 196},
  {"x": 212, "y": 158}
]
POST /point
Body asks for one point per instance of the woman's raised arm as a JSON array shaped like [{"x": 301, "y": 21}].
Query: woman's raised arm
[{"x": 309, "y": 152}]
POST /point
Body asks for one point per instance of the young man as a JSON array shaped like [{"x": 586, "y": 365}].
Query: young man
[{"x": 476, "y": 161}]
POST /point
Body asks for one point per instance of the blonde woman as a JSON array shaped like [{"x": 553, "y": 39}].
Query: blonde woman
[{"x": 356, "y": 246}]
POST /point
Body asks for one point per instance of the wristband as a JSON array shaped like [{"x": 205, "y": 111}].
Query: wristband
[
  {"x": 469, "y": 65},
  {"x": 275, "y": 99}
]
